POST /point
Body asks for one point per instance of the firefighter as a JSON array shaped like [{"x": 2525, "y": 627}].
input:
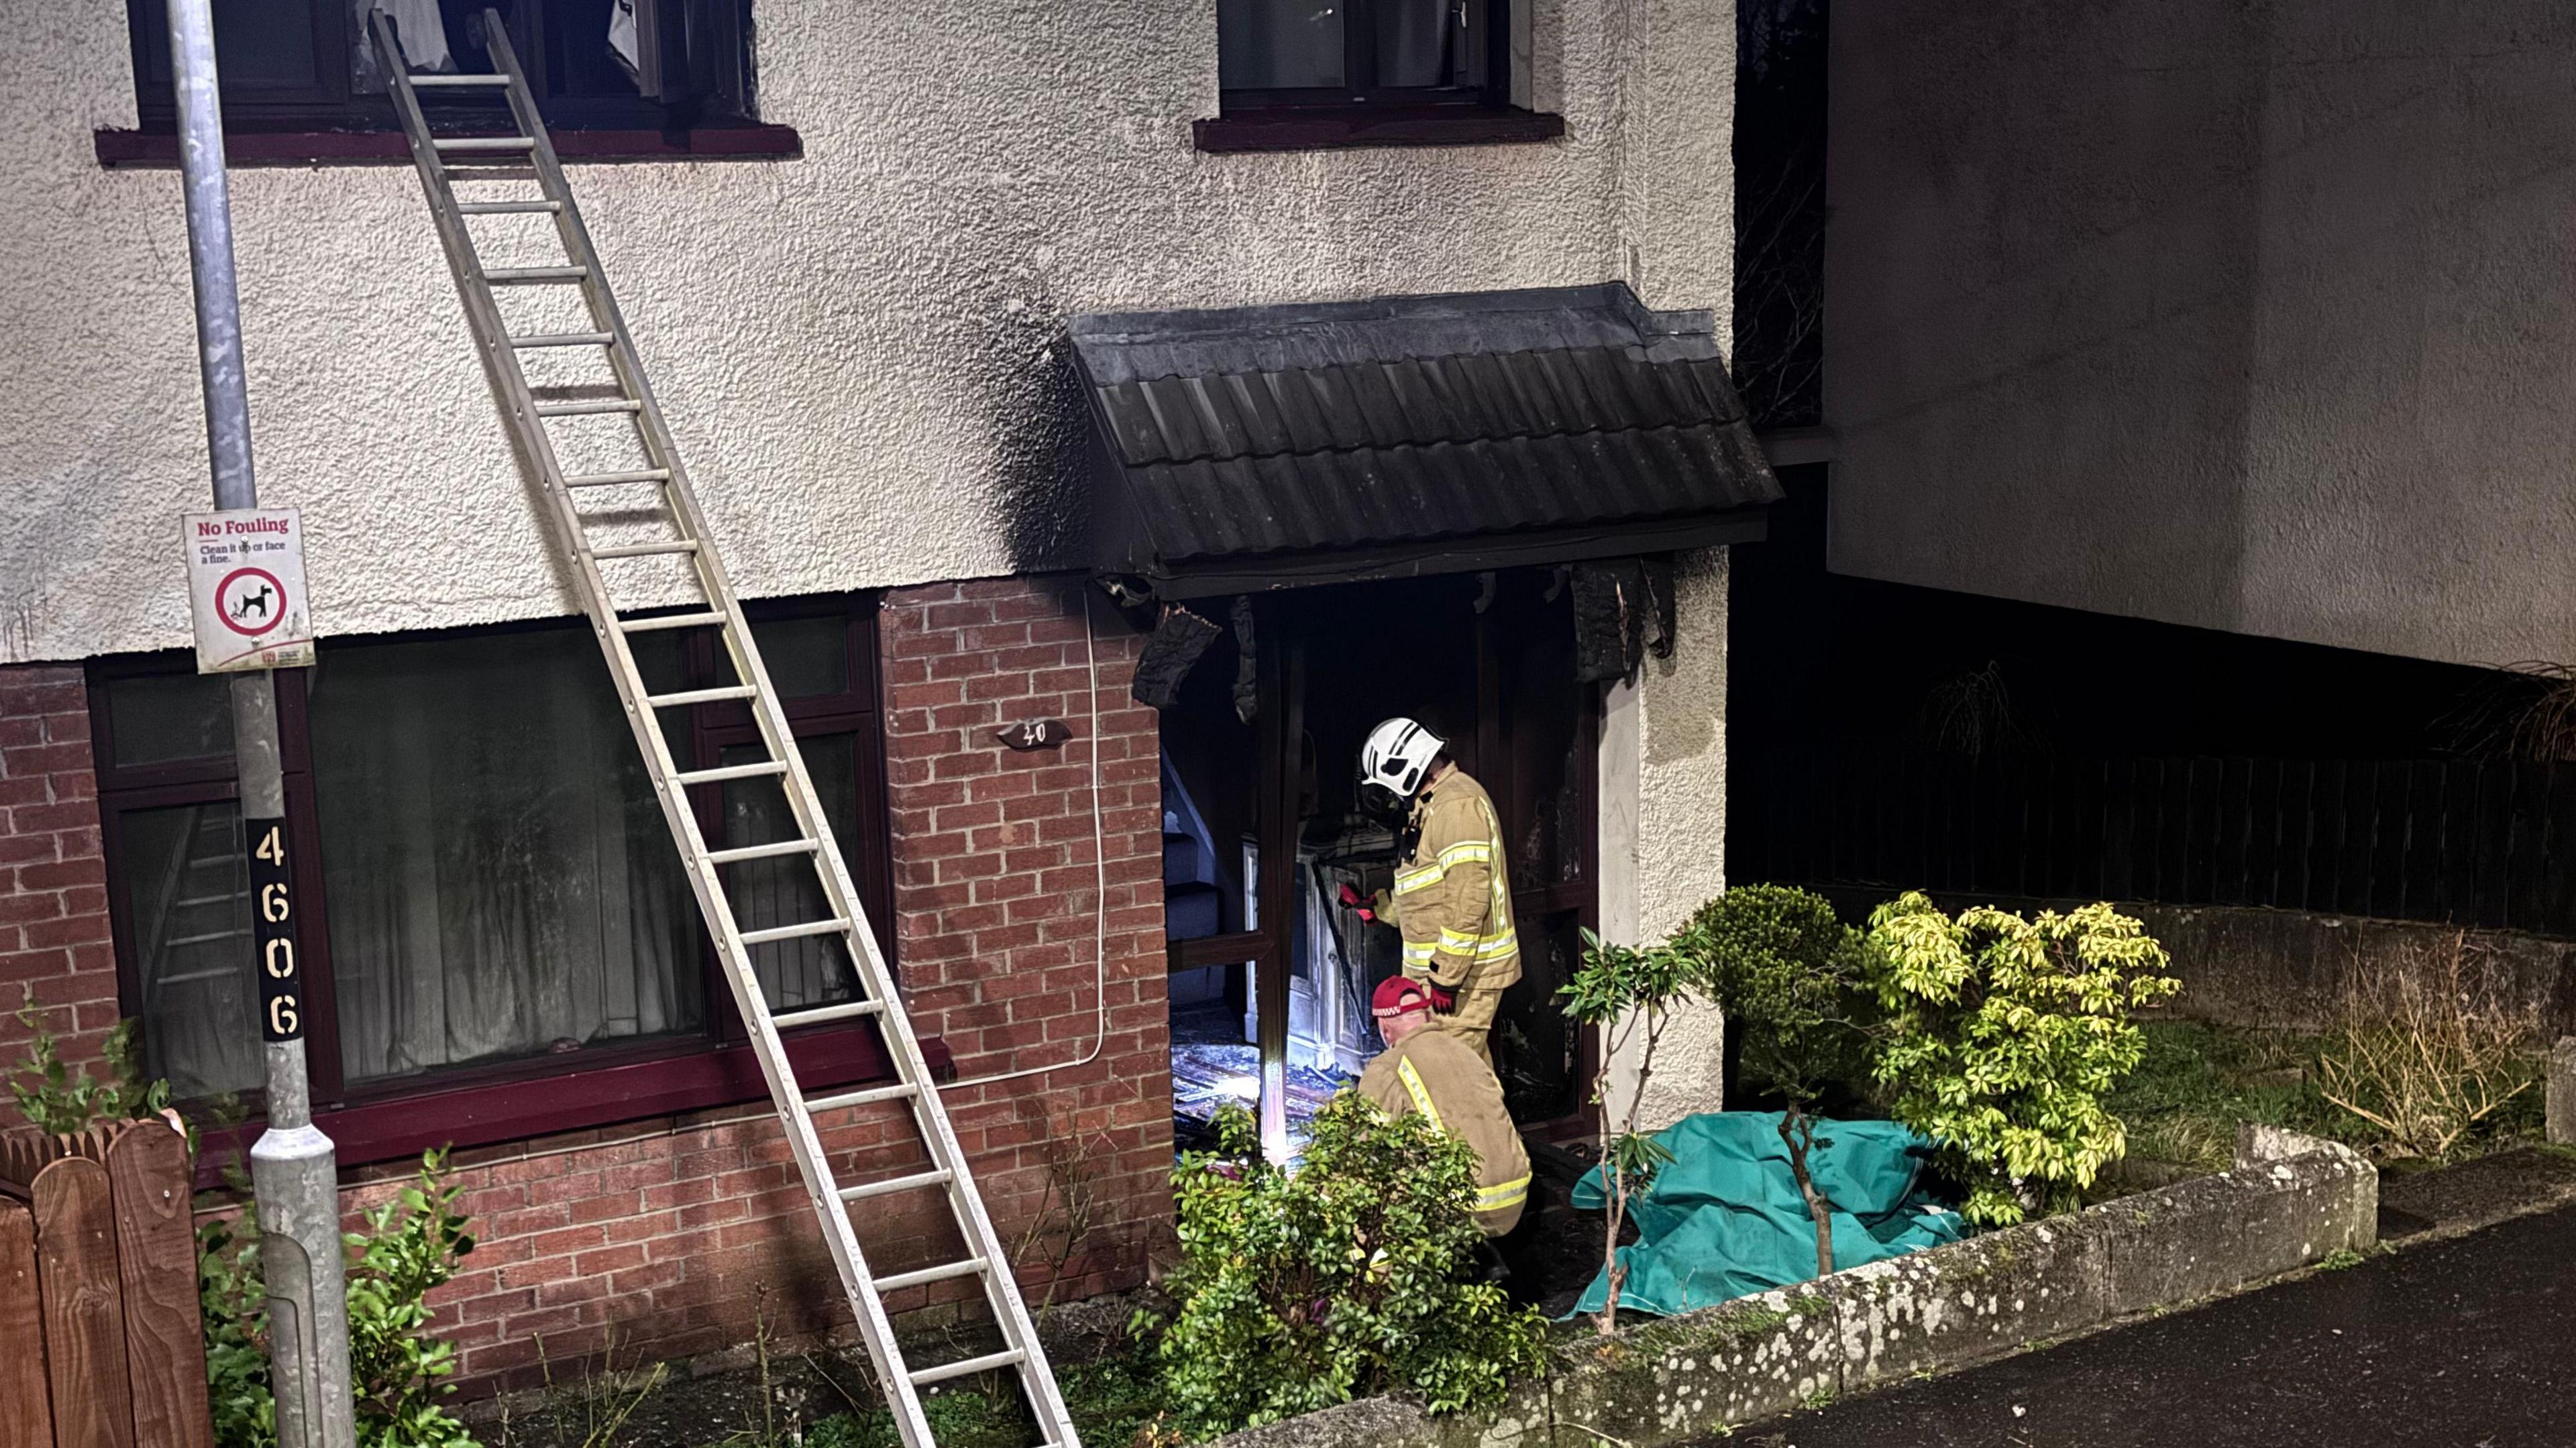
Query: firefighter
[
  {"x": 1428, "y": 1070},
  {"x": 1452, "y": 899}
]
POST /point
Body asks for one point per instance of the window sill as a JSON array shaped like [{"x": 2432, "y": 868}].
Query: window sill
[
  {"x": 130, "y": 150},
  {"x": 1319, "y": 128},
  {"x": 487, "y": 1112}
]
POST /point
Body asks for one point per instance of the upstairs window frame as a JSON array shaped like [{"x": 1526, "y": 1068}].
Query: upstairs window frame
[
  {"x": 1361, "y": 112},
  {"x": 706, "y": 71},
  {"x": 1360, "y": 69}
]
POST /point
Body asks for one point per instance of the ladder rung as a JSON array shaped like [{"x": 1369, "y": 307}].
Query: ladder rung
[
  {"x": 691, "y": 778},
  {"x": 700, "y": 696},
  {"x": 846, "y": 1010},
  {"x": 681, "y": 620},
  {"x": 631, "y": 475},
  {"x": 870, "y": 1097},
  {"x": 865, "y": 1190},
  {"x": 422, "y": 80},
  {"x": 503, "y": 208},
  {"x": 794, "y": 932},
  {"x": 961, "y": 1368},
  {"x": 740, "y": 853},
  {"x": 646, "y": 550},
  {"x": 902, "y": 1280},
  {"x": 240, "y": 934},
  {"x": 483, "y": 143},
  {"x": 503, "y": 276},
  {"x": 588, "y": 405},
  {"x": 565, "y": 339}
]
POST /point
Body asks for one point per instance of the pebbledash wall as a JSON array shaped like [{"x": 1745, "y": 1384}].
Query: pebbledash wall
[{"x": 860, "y": 350}]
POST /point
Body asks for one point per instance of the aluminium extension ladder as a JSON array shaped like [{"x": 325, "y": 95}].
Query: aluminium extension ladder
[{"x": 438, "y": 159}]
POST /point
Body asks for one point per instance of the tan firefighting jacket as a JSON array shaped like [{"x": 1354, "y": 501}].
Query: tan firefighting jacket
[
  {"x": 1433, "y": 1073},
  {"x": 1453, "y": 895}
]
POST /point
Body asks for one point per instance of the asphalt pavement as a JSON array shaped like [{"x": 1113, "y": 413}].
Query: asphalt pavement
[{"x": 2468, "y": 1342}]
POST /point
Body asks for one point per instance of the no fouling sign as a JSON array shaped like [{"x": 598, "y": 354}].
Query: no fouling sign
[{"x": 246, "y": 589}]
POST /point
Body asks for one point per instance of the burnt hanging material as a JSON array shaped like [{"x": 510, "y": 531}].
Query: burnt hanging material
[
  {"x": 1247, "y": 670},
  {"x": 1173, "y": 650},
  {"x": 1623, "y": 609}
]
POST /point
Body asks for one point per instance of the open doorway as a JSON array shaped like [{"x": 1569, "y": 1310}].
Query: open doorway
[{"x": 1262, "y": 829}]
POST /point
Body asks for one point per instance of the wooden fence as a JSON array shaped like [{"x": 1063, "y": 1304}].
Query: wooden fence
[
  {"x": 99, "y": 1341},
  {"x": 2462, "y": 842}
]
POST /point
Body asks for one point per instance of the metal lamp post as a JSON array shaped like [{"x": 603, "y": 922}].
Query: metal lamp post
[{"x": 294, "y": 1177}]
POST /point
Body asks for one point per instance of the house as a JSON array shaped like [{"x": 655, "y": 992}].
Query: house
[
  {"x": 2191, "y": 380},
  {"x": 959, "y": 312}
]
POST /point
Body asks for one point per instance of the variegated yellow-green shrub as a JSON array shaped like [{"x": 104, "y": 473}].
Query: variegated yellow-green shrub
[{"x": 2002, "y": 1037}]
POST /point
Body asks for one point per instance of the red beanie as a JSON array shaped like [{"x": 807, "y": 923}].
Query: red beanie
[{"x": 1398, "y": 996}]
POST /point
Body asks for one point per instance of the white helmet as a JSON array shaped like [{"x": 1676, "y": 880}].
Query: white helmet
[{"x": 1397, "y": 755}]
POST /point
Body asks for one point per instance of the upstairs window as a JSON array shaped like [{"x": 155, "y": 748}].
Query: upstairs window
[
  {"x": 1346, "y": 52},
  {"x": 1299, "y": 74},
  {"x": 309, "y": 65}
]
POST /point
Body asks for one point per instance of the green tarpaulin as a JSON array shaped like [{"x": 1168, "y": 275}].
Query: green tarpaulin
[{"x": 1724, "y": 1217}]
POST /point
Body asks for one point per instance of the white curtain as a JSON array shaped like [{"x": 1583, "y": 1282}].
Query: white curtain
[{"x": 499, "y": 880}]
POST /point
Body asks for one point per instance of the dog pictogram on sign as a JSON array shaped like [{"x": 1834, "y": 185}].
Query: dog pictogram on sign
[{"x": 246, "y": 589}]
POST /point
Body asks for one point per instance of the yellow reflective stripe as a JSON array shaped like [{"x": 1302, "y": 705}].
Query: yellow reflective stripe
[
  {"x": 1460, "y": 941},
  {"x": 1408, "y": 881},
  {"x": 1507, "y": 943},
  {"x": 1501, "y": 1195},
  {"x": 1476, "y": 850},
  {"x": 1417, "y": 952},
  {"x": 1421, "y": 1095}
]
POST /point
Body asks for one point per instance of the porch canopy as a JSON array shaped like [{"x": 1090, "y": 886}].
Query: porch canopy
[{"x": 1266, "y": 447}]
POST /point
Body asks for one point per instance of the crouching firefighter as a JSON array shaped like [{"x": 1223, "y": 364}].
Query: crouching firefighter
[
  {"x": 1427, "y": 1071},
  {"x": 1452, "y": 899}
]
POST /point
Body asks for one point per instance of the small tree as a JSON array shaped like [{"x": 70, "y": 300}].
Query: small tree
[
  {"x": 2003, "y": 1034},
  {"x": 1790, "y": 976},
  {"x": 1344, "y": 1278},
  {"x": 1626, "y": 991}
]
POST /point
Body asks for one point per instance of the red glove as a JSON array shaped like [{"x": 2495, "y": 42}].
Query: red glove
[
  {"x": 1358, "y": 904},
  {"x": 1443, "y": 999}
]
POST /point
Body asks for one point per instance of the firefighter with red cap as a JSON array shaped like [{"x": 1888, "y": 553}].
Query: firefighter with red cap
[
  {"x": 1431, "y": 1072},
  {"x": 1452, "y": 899}
]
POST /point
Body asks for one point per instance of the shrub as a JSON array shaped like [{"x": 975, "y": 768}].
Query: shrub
[
  {"x": 1626, "y": 990},
  {"x": 398, "y": 1370},
  {"x": 2431, "y": 1054},
  {"x": 1343, "y": 1279},
  {"x": 60, "y": 1098},
  {"x": 2002, "y": 1036},
  {"x": 1790, "y": 976}
]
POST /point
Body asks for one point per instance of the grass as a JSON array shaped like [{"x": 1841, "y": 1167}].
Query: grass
[
  {"x": 1113, "y": 1401},
  {"x": 2195, "y": 1083}
]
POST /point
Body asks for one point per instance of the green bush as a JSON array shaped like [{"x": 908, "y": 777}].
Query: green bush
[
  {"x": 2002, "y": 1036},
  {"x": 1343, "y": 1279},
  {"x": 1790, "y": 977},
  {"x": 398, "y": 1369},
  {"x": 60, "y": 1098}
]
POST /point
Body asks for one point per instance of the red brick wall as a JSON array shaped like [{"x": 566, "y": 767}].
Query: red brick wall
[
  {"x": 663, "y": 1238},
  {"x": 53, "y": 882}
]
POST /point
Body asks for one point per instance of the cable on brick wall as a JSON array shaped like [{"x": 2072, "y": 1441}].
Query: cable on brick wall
[{"x": 1100, "y": 887}]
